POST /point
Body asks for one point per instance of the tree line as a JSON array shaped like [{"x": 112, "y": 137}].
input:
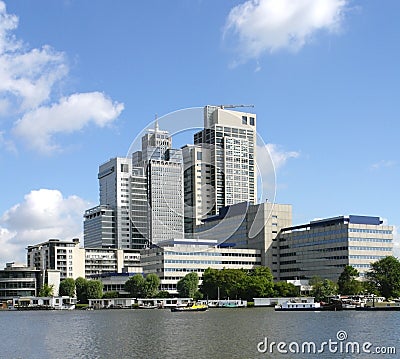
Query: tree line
[
  {"x": 383, "y": 280},
  {"x": 83, "y": 288}
]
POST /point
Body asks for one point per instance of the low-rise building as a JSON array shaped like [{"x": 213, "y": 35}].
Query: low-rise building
[
  {"x": 110, "y": 260},
  {"x": 115, "y": 282},
  {"x": 324, "y": 247},
  {"x": 178, "y": 257},
  {"x": 64, "y": 256},
  {"x": 244, "y": 225},
  {"x": 18, "y": 280},
  {"x": 73, "y": 261},
  {"x": 32, "y": 302}
]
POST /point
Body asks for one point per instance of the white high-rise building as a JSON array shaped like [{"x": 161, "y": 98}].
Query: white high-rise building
[
  {"x": 164, "y": 172},
  {"x": 120, "y": 221},
  {"x": 220, "y": 169}
]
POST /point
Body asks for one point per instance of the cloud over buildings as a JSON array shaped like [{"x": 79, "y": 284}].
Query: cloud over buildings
[
  {"x": 270, "y": 159},
  {"x": 43, "y": 214},
  {"x": 260, "y": 26},
  {"x": 29, "y": 83},
  {"x": 68, "y": 115}
]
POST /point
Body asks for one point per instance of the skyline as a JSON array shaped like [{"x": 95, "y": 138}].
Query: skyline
[{"x": 78, "y": 83}]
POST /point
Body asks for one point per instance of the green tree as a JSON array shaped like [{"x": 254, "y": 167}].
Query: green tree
[
  {"x": 259, "y": 284},
  {"x": 67, "y": 287},
  {"x": 94, "y": 289},
  {"x": 136, "y": 286},
  {"x": 232, "y": 283},
  {"x": 285, "y": 289},
  {"x": 209, "y": 286},
  {"x": 163, "y": 294},
  {"x": 46, "y": 290},
  {"x": 152, "y": 283},
  {"x": 315, "y": 280},
  {"x": 347, "y": 282},
  {"x": 324, "y": 289},
  {"x": 111, "y": 294},
  {"x": 237, "y": 283},
  {"x": 198, "y": 295},
  {"x": 188, "y": 285},
  {"x": 81, "y": 290},
  {"x": 384, "y": 277}
]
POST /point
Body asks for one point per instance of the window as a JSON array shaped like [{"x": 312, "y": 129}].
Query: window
[
  {"x": 199, "y": 156},
  {"x": 252, "y": 121}
]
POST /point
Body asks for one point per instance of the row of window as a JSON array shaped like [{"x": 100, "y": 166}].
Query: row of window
[
  {"x": 366, "y": 257},
  {"x": 384, "y": 249},
  {"x": 360, "y": 239},
  {"x": 360, "y": 230},
  {"x": 188, "y": 261}
]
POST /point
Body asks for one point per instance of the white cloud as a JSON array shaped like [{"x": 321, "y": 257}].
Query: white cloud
[
  {"x": 279, "y": 156},
  {"x": 396, "y": 241},
  {"x": 260, "y": 26},
  {"x": 28, "y": 78},
  {"x": 270, "y": 159},
  {"x": 43, "y": 214},
  {"x": 383, "y": 164},
  {"x": 7, "y": 144},
  {"x": 68, "y": 115}
]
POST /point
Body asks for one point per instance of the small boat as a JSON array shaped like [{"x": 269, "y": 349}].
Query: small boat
[
  {"x": 309, "y": 306},
  {"x": 296, "y": 306},
  {"x": 191, "y": 307},
  {"x": 387, "y": 306},
  {"x": 229, "y": 305},
  {"x": 145, "y": 306}
]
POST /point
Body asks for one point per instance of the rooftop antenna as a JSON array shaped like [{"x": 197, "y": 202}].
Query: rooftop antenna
[{"x": 156, "y": 123}]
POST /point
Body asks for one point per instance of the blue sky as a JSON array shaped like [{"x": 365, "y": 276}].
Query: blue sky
[{"x": 80, "y": 79}]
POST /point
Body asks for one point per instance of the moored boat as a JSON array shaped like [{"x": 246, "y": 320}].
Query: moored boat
[
  {"x": 296, "y": 306},
  {"x": 192, "y": 307},
  {"x": 146, "y": 306}
]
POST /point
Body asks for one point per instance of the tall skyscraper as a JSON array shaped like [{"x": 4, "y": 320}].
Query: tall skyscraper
[
  {"x": 120, "y": 221},
  {"x": 163, "y": 167},
  {"x": 220, "y": 169}
]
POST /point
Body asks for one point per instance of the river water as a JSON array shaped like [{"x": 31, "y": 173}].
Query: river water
[{"x": 217, "y": 333}]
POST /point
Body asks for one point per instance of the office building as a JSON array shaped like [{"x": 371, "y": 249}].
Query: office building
[
  {"x": 120, "y": 221},
  {"x": 19, "y": 280},
  {"x": 324, "y": 247},
  {"x": 230, "y": 137},
  {"x": 73, "y": 261},
  {"x": 99, "y": 261},
  {"x": 248, "y": 226},
  {"x": 64, "y": 256},
  {"x": 99, "y": 227},
  {"x": 163, "y": 168},
  {"x": 172, "y": 260},
  {"x": 198, "y": 194}
]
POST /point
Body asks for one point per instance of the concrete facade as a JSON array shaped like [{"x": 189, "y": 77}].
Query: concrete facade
[
  {"x": 64, "y": 256},
  {"x": 120, "y": 221},
  {"x": 163, "y": 168},
  {"x": 221, "y": 164},
  {"x": 73, "y": 261},
  {"x": 19, "y": 280},
  {"x": 248, "y": 226},
  {"x": 324, "y": 247},
  {"x": 175, "y": 259}
]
